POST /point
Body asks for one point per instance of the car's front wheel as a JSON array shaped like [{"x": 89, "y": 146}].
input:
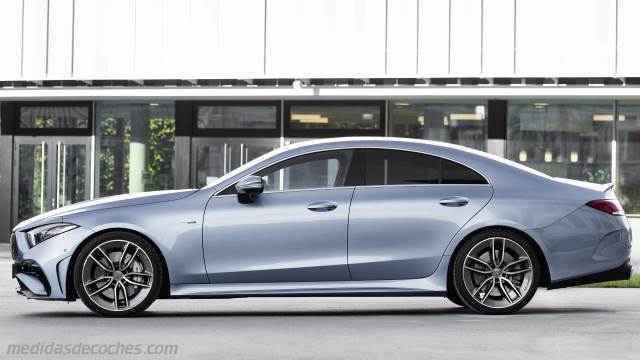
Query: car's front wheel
[
  {"x": 496, "y": 272},
  {"x": 117, "y": 274}
]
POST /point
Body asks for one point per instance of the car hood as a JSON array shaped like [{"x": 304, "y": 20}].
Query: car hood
[{"x": 105, "y": 203}]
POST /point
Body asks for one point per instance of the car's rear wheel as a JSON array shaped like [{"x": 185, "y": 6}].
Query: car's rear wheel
[
  {"x": 496, "y": 272},
  {"x": 118, "y": 274}
]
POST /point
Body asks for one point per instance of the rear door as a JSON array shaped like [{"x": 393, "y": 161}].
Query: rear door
[{"x": 410, "y": 207}]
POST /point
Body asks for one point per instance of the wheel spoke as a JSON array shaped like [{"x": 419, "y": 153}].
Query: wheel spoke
[
  {"x": 138, "y": 274},
  {"x": 100, "y": 263},
  {"x": 101, "y": 289},
  {"x": 124, "y": 253},
  {"x": 130, "y": 260},
  {"x": 101, "y": 278},
  {"x": 132, "y": 282},
  {"x": 497, "y": 258},
  {"x": 484, "y": 272},
  {"x": 479, "y": 262},
  {"x": 486, "y": 294},
  {"x": 482, "y": 284},
  {"x": 124, "y": 294},
  {"x": 111, "y": 264},
  {"x": 512, "y": 286},
  {"x": 516, "y": 272},
  {"x": 115, "y": 296},
  {"x": 504, "y": 291},
  {"x": 520, "y": 260}
]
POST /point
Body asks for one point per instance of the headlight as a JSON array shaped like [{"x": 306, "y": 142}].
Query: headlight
[{"x": 44, "y": 232}]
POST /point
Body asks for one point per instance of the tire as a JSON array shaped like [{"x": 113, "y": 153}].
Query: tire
[
  {"x": 454, "y": 298},
  {"x": 114, "y": 285},
  {"x": 500, "y": 284}
]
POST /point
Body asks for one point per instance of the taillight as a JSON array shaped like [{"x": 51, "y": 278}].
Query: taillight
[{"x": 610, "y": 206}]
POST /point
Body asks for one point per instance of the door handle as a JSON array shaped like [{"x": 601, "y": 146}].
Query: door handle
[
  {"x": 322, "y": 206},
  {"x": 454, "y": 201}
]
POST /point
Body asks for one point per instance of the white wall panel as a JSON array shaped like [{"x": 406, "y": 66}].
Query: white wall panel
[
  {"x": 433, "y": 38},
  {"x": 60, "y": 39},
  {"x": 565, "y": 37},
  {"x": 149, "y": 23},
  {"x": 10, "y": 39},
  {"x": 402, "y": 36},
  {"x": 628, "y": 38},
  {"x": 497, "y": 38},
  {"x": 104, "y": 39},
  {"x": 34, "y": 41},
  {"x": 466, "y": 37},
  {"x": 175, "y": 37},
  {"x": 333, "y": 38},
  {"x": 226, "y": 38}
]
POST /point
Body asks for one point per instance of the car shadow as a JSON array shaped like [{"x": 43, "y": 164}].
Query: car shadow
[{"x": 533, "y": 311}]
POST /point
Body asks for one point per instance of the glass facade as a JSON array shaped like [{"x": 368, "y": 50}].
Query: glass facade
[
  {"x": 53, "y": 117},
  {"x": 335, "y": 116},
  {"x": 135, "y": 142},
  {"x": 135, "y": 147},
  {"x": 562, "y": 139},
  {"x": 237, "y": 117},
  {"x": 458, "y": 123},
  {"x": 628, "y": 154}
]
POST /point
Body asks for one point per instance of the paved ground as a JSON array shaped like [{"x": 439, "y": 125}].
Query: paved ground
[{"x": 560, "y": 324}]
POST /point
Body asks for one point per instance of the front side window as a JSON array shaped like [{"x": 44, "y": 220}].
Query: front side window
[
  {"x": 312, "y": 171},
  {"x": 396, "y": 167}
]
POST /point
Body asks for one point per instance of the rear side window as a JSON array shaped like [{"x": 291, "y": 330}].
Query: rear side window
[
  {"x": 454, "y": 173},
  {"x": 397, "y": 167}
]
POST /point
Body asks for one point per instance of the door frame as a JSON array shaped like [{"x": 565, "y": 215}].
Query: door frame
[{"x": 53, "y": 162}]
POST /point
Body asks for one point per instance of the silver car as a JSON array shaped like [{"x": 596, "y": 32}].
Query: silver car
[{"x": 344, "y": 216}]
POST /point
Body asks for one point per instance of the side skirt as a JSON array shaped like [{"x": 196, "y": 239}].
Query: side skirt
[{"x": 433, "y": 285}]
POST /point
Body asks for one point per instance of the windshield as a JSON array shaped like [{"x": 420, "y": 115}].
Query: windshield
[{"x": 242, "y": 168}]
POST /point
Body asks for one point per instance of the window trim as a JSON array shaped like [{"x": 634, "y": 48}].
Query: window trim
[
  {"x": 52, "y": 131},
  {"x": 235, "y": 132},
  {"x": 290, "y": 132},
  {"x": 218, "y": 193}
]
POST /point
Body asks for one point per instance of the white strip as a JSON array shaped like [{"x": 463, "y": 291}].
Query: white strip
[
  {"x": 614, "y": 161},
  {"x": 435, "y": 92}
]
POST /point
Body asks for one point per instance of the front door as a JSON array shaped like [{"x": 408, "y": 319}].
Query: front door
[
  {"x": 296, "y": 230},
  {"x": 49, "y": 172}
]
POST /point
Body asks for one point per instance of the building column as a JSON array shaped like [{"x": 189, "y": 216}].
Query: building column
[
  {"x": 138, "y": 148},
  {"x": 7, "y": 118},
  {"x": 497, "y": 127}
]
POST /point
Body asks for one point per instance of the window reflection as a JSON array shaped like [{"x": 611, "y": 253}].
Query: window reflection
[
  {"x": 53, "y": 117},
  {"x": 457, "y": 123},
  {"x": 628, "y": 138},
  {"x": 135, "y": 147},
  {"x": 237, "y": 117},
  {"x": 570, "y": 140},
  {"x": 335, "y": 117}
]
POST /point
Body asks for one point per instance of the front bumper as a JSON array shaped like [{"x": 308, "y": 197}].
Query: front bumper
[
  {"x": 622, "y": 272},
  {"x": 31, "y": 280},
  {"x": 41, "y": 271}
]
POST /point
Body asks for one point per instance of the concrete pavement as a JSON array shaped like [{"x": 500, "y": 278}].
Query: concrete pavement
[{"x": 559, "y": 324}]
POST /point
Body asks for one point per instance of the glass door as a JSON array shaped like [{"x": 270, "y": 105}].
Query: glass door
[
  {"x": 50, "y": 172},
  {"x": 215, "y": 157}
]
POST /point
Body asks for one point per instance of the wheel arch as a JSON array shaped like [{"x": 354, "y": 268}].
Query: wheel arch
[
  {"x": 545, "y": 275},
  {"x": 70, "y": 287}
]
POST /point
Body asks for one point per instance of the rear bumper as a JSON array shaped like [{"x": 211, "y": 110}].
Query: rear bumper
[{"x": 622, "y": 272}]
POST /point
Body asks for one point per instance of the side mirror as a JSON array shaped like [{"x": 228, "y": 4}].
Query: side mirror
[{"x": 248, "y": 188}]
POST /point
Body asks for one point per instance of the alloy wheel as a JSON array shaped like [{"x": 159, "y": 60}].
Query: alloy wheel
[
  {"x": 497, "y": 273},
  {"x": 117, "y": 275}
]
